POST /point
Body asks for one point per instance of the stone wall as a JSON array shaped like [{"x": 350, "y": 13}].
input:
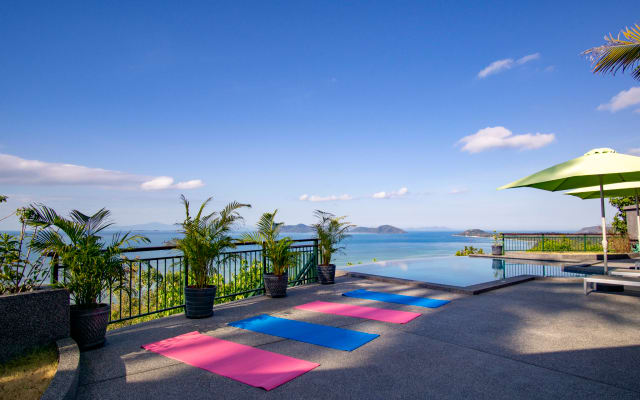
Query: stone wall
[
  {"x": 32, "y": 319},
  {"x": 632, "y": 227}
]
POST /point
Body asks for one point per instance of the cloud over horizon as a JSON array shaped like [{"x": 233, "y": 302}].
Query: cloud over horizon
[
  {"x": 317, "y": 199},
  {"x": 622, "y": 100},
  {"x": 389, "y": 195},
  {"x": 505, "y": 64},
  {"x": 499, "y": 137},
  {"x": 20, "y": 171}
]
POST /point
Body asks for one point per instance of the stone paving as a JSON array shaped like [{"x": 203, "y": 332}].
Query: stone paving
[{"x": 540, "y": 339}]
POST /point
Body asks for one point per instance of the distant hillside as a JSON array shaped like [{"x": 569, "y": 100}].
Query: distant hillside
[
  {"x": 150, "y": 226},
  {"x": 475, "y": 233},
  {"x": 302, "y": 228},
  {"x": 380, "y": 229},
  {"x": 593, "y": 229}
]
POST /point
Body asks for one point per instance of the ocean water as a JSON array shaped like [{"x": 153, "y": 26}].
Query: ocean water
[{"x": 363, "y": 248}]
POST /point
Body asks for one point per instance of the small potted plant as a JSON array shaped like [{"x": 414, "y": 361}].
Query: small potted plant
[
  {"x": 497, "y": 246},
  {"x": 277, "y": 252},
  {"x": 331, "y": 231},
  {"x": 206, "y": 239},
  {"x": 89, "y": 265}
]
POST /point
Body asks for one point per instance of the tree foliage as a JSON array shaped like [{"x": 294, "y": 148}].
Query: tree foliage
[
  {"x": 90, "y": 265},
  {"x": 331, "y": 231},
  {"x": 619, "y": 224},
  {"x": 207, "y": 237},
  {"x": 276, "y": 250},
  {"x": 618, "y": 54}
]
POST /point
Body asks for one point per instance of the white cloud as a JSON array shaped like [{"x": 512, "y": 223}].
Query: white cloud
[
  {"x": 388, "y": 195},
  {"x": 458, "y": 191},
  {"x": 528, "y": 58},
  {"x": 495, "y": 67},
  {"x": 20, "y": 171},
  {"x": 634, "y": 151},
  {"x": 622, "y": 100},
  {"x": 505, "y": 64},
  {"x": 498, "y": 136},
  {"x": 317, "y": 199}
]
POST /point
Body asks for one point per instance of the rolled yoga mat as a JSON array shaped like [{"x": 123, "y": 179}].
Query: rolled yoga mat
[
  {"x": 242, "y": 363},
  {"x": 377, "y": 314},
  {"x": 396, "y": 298},
  {"x": 321, "y": 335}
]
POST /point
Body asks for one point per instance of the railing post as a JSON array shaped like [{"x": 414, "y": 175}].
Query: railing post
[
  {"x": 585, "y": 243},
  {"x": 186, "y": 272},
  {"x": 543, "y": 242},
  {"x": 318, "y": 256},
  {"x": 264, "y": 260},
  {"x": 503, "y": 242}
]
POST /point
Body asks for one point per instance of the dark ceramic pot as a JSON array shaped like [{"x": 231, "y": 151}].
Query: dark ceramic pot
[
  {"x": 326, "y": 274},
  {"x": 89, "y": 325},
  {"x": 496, "y": 250},
  {"x": 199, "y": 301},
  {"x": 276, "y": 285}
]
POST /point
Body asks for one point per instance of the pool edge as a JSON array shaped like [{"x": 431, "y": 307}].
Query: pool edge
[{"x": 470, "y": 290}]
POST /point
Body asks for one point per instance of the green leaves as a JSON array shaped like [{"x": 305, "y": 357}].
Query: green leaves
[
  {"x": 618, "y": 54},
  {"x": 331, "y": 231},
  {"x": 90, "y": 265},
  {"x": 207, "y": 237},
  {"x": 277, "y": 251}
]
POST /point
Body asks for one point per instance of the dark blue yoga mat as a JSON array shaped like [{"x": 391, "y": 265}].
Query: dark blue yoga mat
[
  {"x": 322, "y": 335},
  {"x": 396, "y": 298}
]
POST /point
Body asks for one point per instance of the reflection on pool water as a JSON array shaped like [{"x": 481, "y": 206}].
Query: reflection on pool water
[{"x": 459, "y": 271}]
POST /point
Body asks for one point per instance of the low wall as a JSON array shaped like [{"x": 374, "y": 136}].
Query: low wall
[{"x": 32, "y": 319}]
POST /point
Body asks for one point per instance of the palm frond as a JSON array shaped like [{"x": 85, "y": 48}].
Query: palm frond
[{"x": 617, "y": 54}]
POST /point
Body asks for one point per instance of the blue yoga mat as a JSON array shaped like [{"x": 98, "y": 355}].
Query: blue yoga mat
[
  {"x": 322, "y": 335},
  {"x": 396, "y": 298}
]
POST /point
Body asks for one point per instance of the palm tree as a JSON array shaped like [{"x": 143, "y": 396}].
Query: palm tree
[
  {"x": 206, "y": 237},
  {"x": 278, "y": 251},
  {"x": 90, "y": 265},
  {"x": 331, "y": 231},
  {"x": 617, "y": 53}
]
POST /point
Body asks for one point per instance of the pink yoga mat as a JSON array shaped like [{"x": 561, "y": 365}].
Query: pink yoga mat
[
  {"x": 246, "y": 364},
  {"x": 377, "y": 314}
]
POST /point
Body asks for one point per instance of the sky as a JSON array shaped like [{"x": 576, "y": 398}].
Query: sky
[{"x": 408, "y": 113}]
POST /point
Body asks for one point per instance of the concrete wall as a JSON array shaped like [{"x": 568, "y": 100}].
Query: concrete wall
[
  {"x": 32, "y": 319},
  {"x": 631, "y": 223}
]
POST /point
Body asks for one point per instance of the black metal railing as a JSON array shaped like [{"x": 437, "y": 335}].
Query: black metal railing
[
  {"x": 551, "y": 242},
  {"x": 504, "y": 269},
  {"x": 154, "y": 286}
]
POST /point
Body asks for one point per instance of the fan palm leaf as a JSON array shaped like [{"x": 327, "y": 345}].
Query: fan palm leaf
[{"x": 618, "y": 54}]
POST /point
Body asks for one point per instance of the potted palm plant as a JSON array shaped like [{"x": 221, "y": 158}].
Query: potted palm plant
[
  {"x": 206, "y": 239},
  {"x": 331, "y": 231},
  {"x": 277, "y": 253},
  {"x": 498, "y": 245},
  {"x": 90, "y": 266}
]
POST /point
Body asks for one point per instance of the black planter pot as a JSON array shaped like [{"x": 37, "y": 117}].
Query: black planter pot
[
  {"x": 199, "y": 302},
  {"x": 326, "y": 273},
  {"x": 89, "y": 325},
  {"x": 496, "y": 250},
  {"x": 276, "y": 285}
]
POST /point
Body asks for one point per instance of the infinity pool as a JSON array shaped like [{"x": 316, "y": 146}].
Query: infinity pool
[{"x": 459, "y": 271}]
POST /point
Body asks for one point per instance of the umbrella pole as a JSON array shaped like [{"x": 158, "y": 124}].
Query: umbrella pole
[
  {"x": 637, "y": 218},
  {"x": 604, "y": 229}
]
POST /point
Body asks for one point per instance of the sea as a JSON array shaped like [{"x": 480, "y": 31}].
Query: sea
[
  {"x": 364, "y": 248},
  {"x": 361, "y": 248}
]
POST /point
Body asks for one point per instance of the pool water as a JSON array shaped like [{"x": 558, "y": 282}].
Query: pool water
[{"x": 459, "y": 271}]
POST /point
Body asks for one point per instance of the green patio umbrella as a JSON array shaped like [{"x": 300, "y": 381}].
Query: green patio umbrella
[
  {"x": 598, "y": 167},
  {"x": 626, "y": 189}
]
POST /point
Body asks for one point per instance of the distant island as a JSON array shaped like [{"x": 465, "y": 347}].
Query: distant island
[
  {"x": 302, "y": 228},
  {"x": 593, "y": 229},
  {"x": 474, "y": 233}
]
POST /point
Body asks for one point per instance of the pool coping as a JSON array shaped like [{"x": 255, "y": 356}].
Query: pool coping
[{"x": 470, "y": 290}]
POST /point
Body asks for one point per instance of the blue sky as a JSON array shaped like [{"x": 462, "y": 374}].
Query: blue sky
[{"x": 265, "y": 102}]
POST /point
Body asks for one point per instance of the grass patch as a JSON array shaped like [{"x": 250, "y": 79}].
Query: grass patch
[{"x": 28, "y": 376}]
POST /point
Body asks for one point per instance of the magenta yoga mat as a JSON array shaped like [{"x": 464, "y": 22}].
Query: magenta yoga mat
[
  {"x": 376, "y": 314},
  {"x": 242, "y": 363}
]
